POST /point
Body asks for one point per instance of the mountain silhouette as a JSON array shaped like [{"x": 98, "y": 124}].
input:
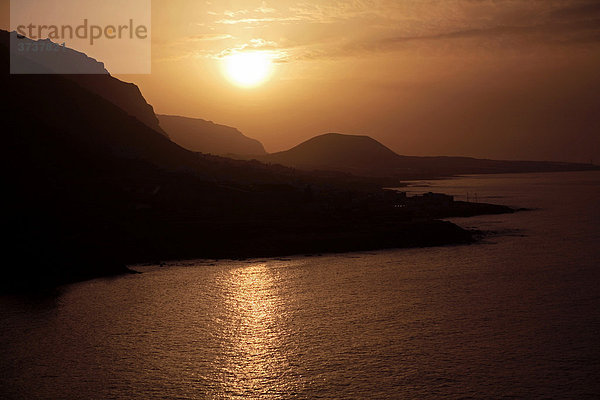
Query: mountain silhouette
[
  {"x": 126, "y": 96},
  {"x": 207, "y": 137},
  {"x": 333, "y": 151},
  {"x": 90, "y": 187},
  {"x": 365, "y": 156},
  {"x": 81, "y": 69},
  {"x": 46, "y": 57}
]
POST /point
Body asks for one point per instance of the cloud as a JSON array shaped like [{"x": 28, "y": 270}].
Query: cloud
[
  {"x": 257, "y": 44},
  {"x": 211, "y": 37},
  {"x": 265, "y": 9},
  {"x": 232, "y": 14},
  {"x": 231, "y": 21},
  {"x": 314, "y": 29},
  {"x": 567, "y": 32},
  {"x": 580, "y": 10}
]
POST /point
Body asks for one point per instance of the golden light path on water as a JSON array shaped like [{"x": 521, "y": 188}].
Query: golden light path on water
[
  {"x": 256, "y": 362},
  {"x": 515, "y": 316}
]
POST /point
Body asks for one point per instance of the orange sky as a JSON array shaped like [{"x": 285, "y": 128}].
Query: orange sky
[{"x": 511, "y": 79}]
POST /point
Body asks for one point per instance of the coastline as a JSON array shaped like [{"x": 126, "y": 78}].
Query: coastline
[{"x": 419, "y": 226}]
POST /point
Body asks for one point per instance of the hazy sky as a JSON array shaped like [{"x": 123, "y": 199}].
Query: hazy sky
[{"x": 513, "y": 79}]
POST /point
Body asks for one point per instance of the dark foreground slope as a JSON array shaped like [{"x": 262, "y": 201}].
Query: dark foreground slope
[
  {"x": 126, "y": 96},
  {"x": 364, "y": 156},
  {"x": 90, "y": 188},
  {"x": 207, "y": 137},
  {"x": 87, "y": 72}
]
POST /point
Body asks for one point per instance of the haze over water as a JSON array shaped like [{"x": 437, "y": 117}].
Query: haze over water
[{"x": 514, "y": 316}]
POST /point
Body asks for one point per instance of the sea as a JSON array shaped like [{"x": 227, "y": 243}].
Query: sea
[{"x": 515, "y": 315}]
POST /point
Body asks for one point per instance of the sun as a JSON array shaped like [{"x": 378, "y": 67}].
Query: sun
[{"x": 248, "y": 69}]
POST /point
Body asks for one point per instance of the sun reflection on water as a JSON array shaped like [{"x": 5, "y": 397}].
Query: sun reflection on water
[{"x": 256, "y": 364}]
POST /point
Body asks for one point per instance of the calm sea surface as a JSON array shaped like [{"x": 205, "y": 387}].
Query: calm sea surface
[{"x": 517, "y": 316}]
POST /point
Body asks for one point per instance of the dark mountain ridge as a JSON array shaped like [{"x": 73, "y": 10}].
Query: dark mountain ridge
[
  {"x": 46, "y": 57},
  {"x": 348, "y": 153},
  {"x": 364, "y": 156},
  {"x": 29, "y": 58},
  {"x": 207, "y": 137},
  {"x": 91, "y": 188},
  {"x": 127, "y": 96}
]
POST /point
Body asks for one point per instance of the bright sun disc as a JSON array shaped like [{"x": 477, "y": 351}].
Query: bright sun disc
[{"x": 248, "y": 69}]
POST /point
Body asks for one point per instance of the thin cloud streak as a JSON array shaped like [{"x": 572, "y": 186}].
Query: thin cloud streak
[{"x": 392, "y": 25}]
